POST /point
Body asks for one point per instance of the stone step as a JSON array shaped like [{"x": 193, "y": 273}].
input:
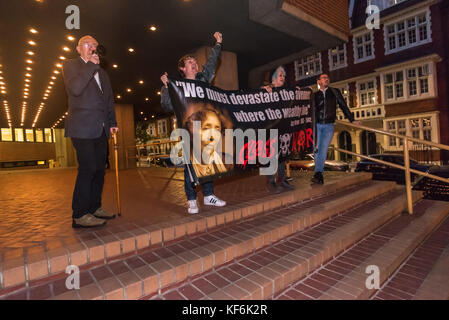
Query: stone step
[
  {"x": 265, "y": 272},
  {"x": 346, "y": 276},
  {"x": 153, "y": 270},
  {"x": 425, "y": 273},
  {"x": 19, "y": 267}
]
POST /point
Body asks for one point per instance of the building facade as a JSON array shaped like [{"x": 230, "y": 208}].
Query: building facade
[{"x": 394, "y": 77}]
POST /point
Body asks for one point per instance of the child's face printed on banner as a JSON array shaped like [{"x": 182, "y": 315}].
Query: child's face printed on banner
[{"x": 210, "y": 132}]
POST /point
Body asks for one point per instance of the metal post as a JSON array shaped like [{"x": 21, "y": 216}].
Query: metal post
[
  {"x": 114, "y": 136},
  {"x": 408, "y": 183}
]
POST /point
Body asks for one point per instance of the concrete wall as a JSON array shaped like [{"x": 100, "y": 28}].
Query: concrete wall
[
  {"x": 22, "y": 151},
  {"x": 126, "y": 139},
  {"x": 226, "y": 75}
]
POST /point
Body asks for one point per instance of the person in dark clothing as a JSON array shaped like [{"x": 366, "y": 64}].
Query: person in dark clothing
[
  {"x": 277, "y": 81},
  {"x": 325, "y": 102},
  {"x": 90, "y": 120},
  {"x": 188, "y": 67}
]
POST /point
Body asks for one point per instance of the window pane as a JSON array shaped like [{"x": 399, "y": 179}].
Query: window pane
[
  {"x": 6, "y": 134},
  {"x": 389, "y": 92},
  {"x": 48, "y": 137},
  {"x": 39, "y": 135},
  {"x": 369, "y": 51},
  {"x": 412, "y": 36},
  {"x": 360, "y": 52},
  {"x": 399, "y": 76},
  {"x": 392, "y": 42},
  {"x": 423, "y": 32},
  {"x": 29, "y": 135},
  {"x": 412, "y": 88},
  {"x": 391, "y": 125},
  {"x": 399, "y": 90},
  {"x": 424, "y": 84},
  {"x": 389, "y": 78},
  {"x": 401, "y": 39}
]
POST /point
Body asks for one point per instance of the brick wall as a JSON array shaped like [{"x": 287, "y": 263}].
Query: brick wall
[{"x": 331, "y": 12}]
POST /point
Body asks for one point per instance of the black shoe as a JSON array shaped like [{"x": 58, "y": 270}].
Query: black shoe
[
  {"x": 287, "y": 186},
  {"x": 273, "y": 188},
  {"x": 289, "y": 179},
  {"x": 318, "y": 178}
]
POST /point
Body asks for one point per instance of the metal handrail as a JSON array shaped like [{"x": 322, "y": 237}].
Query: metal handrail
[
  {"x": 359, "y": 126},
  {"x": 406, "y": 166}
]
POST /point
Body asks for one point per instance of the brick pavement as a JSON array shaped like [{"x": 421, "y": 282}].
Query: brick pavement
[{"x": 35, "y": 205}]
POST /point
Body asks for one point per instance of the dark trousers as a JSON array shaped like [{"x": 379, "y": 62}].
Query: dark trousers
[
  {"x": 208, "y": 187},
  {"x": 281, "y": 173},
  {"x": 91, "y": 155}
]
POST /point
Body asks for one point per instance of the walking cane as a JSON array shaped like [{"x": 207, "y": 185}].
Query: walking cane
[{"x": 114, "y": 136}]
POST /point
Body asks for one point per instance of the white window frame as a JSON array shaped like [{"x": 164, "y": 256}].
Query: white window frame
[
  {"x": 355, "y": 47},
  {"x": 339, "y": 51},
  {"x": 434, "y": 126},
  {"x": 160, "y": 127},
  {"x": 152, "y": 129},
  {"x": 408, "y": 45},
  {"x": 298, "y": 65},
  {"x": 431, "y": 77},
  {"x": 359, "y": 93}
]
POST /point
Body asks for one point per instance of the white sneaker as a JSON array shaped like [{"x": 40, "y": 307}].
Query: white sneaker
[
  {"x": 193, "y": 208},
  {"x": 212, "y": 200}
]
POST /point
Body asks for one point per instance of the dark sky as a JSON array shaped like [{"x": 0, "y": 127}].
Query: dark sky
[{"x": 182, "y": 26}]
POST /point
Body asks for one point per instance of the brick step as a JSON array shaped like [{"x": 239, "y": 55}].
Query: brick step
[
  {"x": 262, "y": 274},
  {"x": 345, "y": 276},
  {"x": 157, "y": 268},
  {"x": 425, "y": 273},
  {"x": 18, "y": 268}
]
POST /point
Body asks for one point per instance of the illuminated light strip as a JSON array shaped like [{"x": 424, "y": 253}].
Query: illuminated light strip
[
  {"x": 53, "y": 75},
  {"x": 3, "y": 93},
  {"x": 59, "y": 120}
]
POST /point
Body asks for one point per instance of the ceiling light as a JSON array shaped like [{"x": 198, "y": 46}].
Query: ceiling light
[
  {"x": 153, "y": 28},
  {"x": 62, "y": 58},
  {"x": 30, "y": 53},
  {"x": 27, "y": 80},
  {"x": 141, "y": 81},
  {"x": 56, "y": 71},
  {"x": 158, "y": 93},
  {"x": 131, "y": 50},
  {"x": 147, "y": 99},
  {"x": 141, "y": 112},
  {"x": 128, "y": 90},
  {"x": 70, "y": 38},
  {"x": 59, "y": 65},
  {"x": 29, "y": 69},
  {"x": 53, "y": 77},
  {"x": 51, "y": 82},
  {"x": 119, "y": 96},
  {"x": 115, "y": 66},
  {"x": 66, "y": 49},
  {"x": 29, "y": 61},
  {"x": 32, "y": 43},
  {"x": 27, "y": 75},
  {"x": 32, "y": 30}
]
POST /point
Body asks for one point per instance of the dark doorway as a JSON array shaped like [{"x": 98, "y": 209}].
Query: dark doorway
[
  {"x": 368, "y": 142},
  {"x": 345, "y": 142}
]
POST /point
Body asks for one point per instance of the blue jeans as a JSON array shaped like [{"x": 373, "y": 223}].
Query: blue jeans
[
  {"x": 324, "y": 134},
  {"x": 208, "y": 187}
]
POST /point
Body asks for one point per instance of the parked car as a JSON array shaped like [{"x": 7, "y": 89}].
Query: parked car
[
  {"x": 308, "y": 163},
  {"x": 384, "y": 172},
  {"x": 434, "y": 189}
]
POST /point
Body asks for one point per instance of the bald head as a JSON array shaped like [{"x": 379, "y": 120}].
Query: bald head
[{"x": 86, "y": 45}]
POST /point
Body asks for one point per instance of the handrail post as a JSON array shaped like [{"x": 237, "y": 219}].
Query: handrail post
[{"x": 408, "y": 183}]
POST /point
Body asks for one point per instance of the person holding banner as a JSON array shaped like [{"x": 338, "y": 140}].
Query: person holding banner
[
  {"x": 325, "y": 102},
  {"x": 277, "y": 81},
  {"x": 188, "y": 68}
]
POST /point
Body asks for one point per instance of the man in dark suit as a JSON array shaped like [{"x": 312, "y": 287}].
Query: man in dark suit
[{"x": 90, "y": 120}]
